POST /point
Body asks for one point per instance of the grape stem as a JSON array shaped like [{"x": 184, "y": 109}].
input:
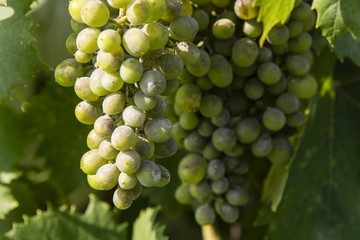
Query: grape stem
[{"x": 210, "y": 233}]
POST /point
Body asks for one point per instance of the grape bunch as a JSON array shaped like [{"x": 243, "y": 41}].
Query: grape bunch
[
  {"x": 238, "y": 99},
  {"x": 127, "y": 57}
]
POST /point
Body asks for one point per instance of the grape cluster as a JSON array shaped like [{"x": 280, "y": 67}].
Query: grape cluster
[
  {"x": 128, "y": 56},
  {"x": 237, "y": 98}
]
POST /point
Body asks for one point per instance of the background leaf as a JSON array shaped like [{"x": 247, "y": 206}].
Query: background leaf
[
  {"x": 347, "y": 46},
  {"x": 7, "y": 200},
  {"x": 145, "y": 226},
  {"x": 351, "y": 15}
]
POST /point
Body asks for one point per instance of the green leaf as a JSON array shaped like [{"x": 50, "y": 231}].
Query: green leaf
[
  {"x": 272, "y": 12},
  {"x": 351, "y": 15},
  {"x": 7, "y": 200},
  {"x": 145, "y": 226},
  {"x": 97, "y": 223},
  {"x": 18, "y": 57},
  {"x": 330, "y": 19},
  {"x": 321, "y": 197},
  {"x": 347, "y": 46},
  {"x": 3, "y": 2}
]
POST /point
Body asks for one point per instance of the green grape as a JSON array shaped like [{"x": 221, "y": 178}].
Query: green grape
[
  {"x": 95, "y": 13},
  {"x": 112, "y": 81},
  {"x": 144, "y": 147},
  {"x": 194, "y": 142},
  {"x": 189, "y": 121},
  {"x": 186, "y": 77},
  {"x": 201, "y": 2},
  {"x": 87, "y": 112},
  {"x": 91, "y": 161},
  {"x": 117, "y": 4},
  {"x": 223, "y": 28},
  {"x": 83, "y": 57},
  {"x": 183, "y": 195},
  {"x": 274, "y": 119},
  {"x": 104, "y": 126},
  {"x": 109, "y": 40},
  {"x": 211, "y": 105},
  {"x": 131, "y": 70},
  {"x": 82, "y": 90},
  {"x": 152, "y": 83},
  {"x": 254, "y": 89},
  {"x": 122, "y": 199},
  {"x": 241, "y": 168},
  {"x": 245, "y": 9},
  {"x": 248, "y": 129},
  {"x": 304, "y": 87},
  {"x": 77, "y": 26},
  {"x": 223, "y": 139},
  {"x": 187, "y": 8},
  {"x": 177, "y": 111},
  {"x": 107, "y": 176},
  {"x": 107, "y": 151},
  {"x": 309, "y": 23},
  {"x": 281, "y": 151},
  {"x": 224, "y": 46},
  {"x": 221, "y": 119},
  {"x": 204, "y": 83},
  {"x": 136, "y": 191},
  {"x": 75, "y": 9},
  {"x": 295, "y": 27},
  {"x": 205, "y": 128},
  {"x": 229, "y": 15},
  {"x": 228, "y": 213},
  {"x": 178, "y": 131},
  {"x": 183, "y": 28},
  {"x": 95, "y": 83},
  {"x": 280, "y": 49},
  {"x": 301, "y": 43},
  {"x": 138, "y": 11},
  {"x": 231, "y": 163},
  {"x": 144, "y": 102},
  {"x": 295, "y": 119},
  {"x": 236, "y": 104},
  {"x": 278, "y": 35},
  {"x": 188, "y": 98},
  {"x": 128, "y": 161},
  {"x": 309, "y": 56},
  {"x": 262, "y": 145},
  {"x": 91, "y": 179},
  {"x": 123, "y": 138},
  {"x": 252, "y": 28},
  {"x": 149, "y": 174},
  {"x": 114, "y": 103},
  {"x": 159, "y": 109},
  {"x": 245, "y": 52},
  {"x": 201, "y": 191},
  {"x": 243, "y": 71},
  {"x": 269, "y": 73},
  {"x": 205, "y": 215},
  {"x": 157, "y": 9},
  {"x": 236, "y": 151},
  {"x": 165, "y": 177},
  {"x": 133, "y": 116},
  {"x": 93, "y": 140},
  {"x": 210, "y": 152},
  {"x": 277, "y": 88},
  {"x": 297, "y": 3},
  {"x": 157, "y": 34},
  {"x": 67, "y": 72},
  {"x": 221, "y": 3},
  {"x": 71, "y": 43},
  {"x": 297, "y": 65},
  {"x": 301, "y": 12},
  {"x": 202, "y": 66},
  {"x": 127, "y": 181},
  {"x": 166, "y": 149},
  {"x": 202, "y": 18},
  {"x": 192, "y": 168},
  {"x": 158, "y": 130},
  {"x": 188, "y": 52},
  {"x": 220, "y": 72},
  {"x": 237, "y": 196},
  {"x": 171, "y": 87},
  {"x": 170, "y": 65},
  {"x": 215, "y": 169},
  {"x": 220, "y": 186},
  {"x": 288, "y": 102},
  {"x": 110, "y": 62},
  {"x": 136, "y": 42},
  {"x": 265, "y": 55},
  {"x": 173, "y": 10}
]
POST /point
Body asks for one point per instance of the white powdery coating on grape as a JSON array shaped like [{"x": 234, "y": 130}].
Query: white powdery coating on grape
[
  {"x": 149, "y": 174},
  {"x": 123, "y": 138},
  {"x": 114, "y": 103},
  {"x": 158, "y": 130},
  {"x": 128, "y": 161},
  {"x": 104, "y": 126},
  {"x": 107, "y": 150},
  {"x": 127, "y": 181},
  {"x": 133, "y": 116},
  {"x": 216, "y": 169},
  {"x": 107, "y": 176},
  {"x": 152, "y": 83},
  {"x": 122, "y": 199}
]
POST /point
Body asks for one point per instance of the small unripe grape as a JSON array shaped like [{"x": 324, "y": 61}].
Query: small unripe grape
[
  {"x": 288, "y": 102},
  {"x": 152, "y": 83},
  {"x": 173, "y": 10},
  {"x": 133, "y": 116},
  {"x": 75, "y": 9},
  {"x": 157, "y": 33},
  {"x": 297, "y": 65},
  {"x": 192, "y": 168},
  {"x": 166, "y": 149},
  {"x": 183, "y": 195},
  {"x": 95, "y": 13},
  {"x": 109, "y": 40},
  {"x": 144, "y": 147},
  {"x": 122, "y": 199},
  {"x": 123, "y": 138},
  {"x": 71, "y": 43},
  {"x": 210, "y": 152},
  {"x": 223, "y": 28},
  {"x": 269, "y": 73},
  {"x": 93, "y": 140},
  {"x": 157, "y": 9},
  {"x": 188, "y": 52},
  {"x": 138, "y": 11},
  {"x": 170, "y": 65},
  {"x": 220, "y": 72},
  {"x": 274, "y": 119},
  {"x": 201, "y": 191},
  {"x": 237, "y": 196},
  {"x": 223, "y": 139},
  {"x": 110, "y": 62},
  {"x": 114, "y": 103},
  {"x": 211, "y": 105},
  {"x": 220, "y": 186},
  {"x": 128, "y": 161},
  {"x": 282, "y": 150},
  {"x": 228, "y": 213},
  {"x": 201, "y": 66},
  {"x": 91, "y": 179},
  {"x": 205, "y": 215},
  {"x": 295, "y": 119},
  {"x": 188, "y": 98},
  {"x": 254, "y": 89},
  {"x": 104, "y": 126},
  {"x": 194, "y": 142},
  {"x": 252, "y": 28},
  {"x": 265, "y": 55},
  {"x": 262, "y": 146},
  {"x": 149, "y": 174},
  {"x": 144, "y": 102},
  {"x": 278, "y": 35},
  {"x": 83, "y": 91},
  {"x": 304, "y": 87},
  {"x": 127, "y": 181},
  {"x": 95, "y": 83},
  {"x": 107, "y": 176},
  {"x": 245, "y": 52},
  {"x": 248, "y": 130},
  {"x": 91, "y": 161},
  {"x": 221, "y": 119},
  {"x": 216, "y": 169},
  {"x": 87, "y": 113},
  {"x": 136, "y": 42},
  {"x": 184, "y": 28},
  {"x": 107, "y": 150},
  {"x": 68, "y": 71},
  {"x": 202, "y": 18},
  {"x": 165, "y": 177},
  {"x": 158, "y": 130},
  {"x": 189, "y": 121}
]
